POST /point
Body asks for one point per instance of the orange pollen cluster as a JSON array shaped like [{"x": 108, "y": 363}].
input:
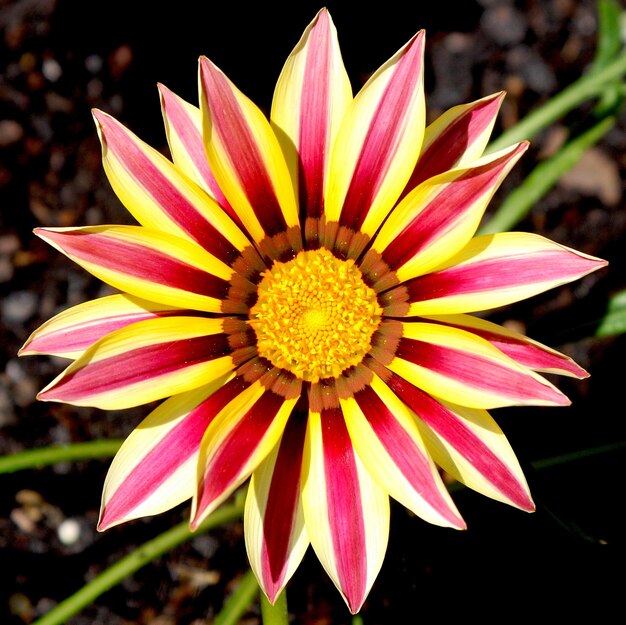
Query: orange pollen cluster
[{"x": 314, "y": 315}]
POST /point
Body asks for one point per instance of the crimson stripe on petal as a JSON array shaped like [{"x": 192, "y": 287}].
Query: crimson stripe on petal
[
  {"x": 476, "y": 372},
  {"x": 282, "y": 502},
  {"x": 165, "y": 194},
  {"x": 407, "y": 456},
  {"x": 242, "y": 440},
  {"x": 191, "y": 137},
  {"x": 379, "y": 147},
  {"x": 499, "y": 273},
  {"x": 345, "y": 507},
  {"x": 82, "y": 337},
  {"x": 444, "y": 209},
  {"x": 313, "y": 149},
  {"x": 228, "y": 119},
  {"x": 523, "y": 350},
  {"x": 444, "y": 153},
  {"x": 451, "y": 428},
  {"x": 135, "y": 366},
  {"x": 172, "y": 451},
  {"x": 138, "y": 261}
]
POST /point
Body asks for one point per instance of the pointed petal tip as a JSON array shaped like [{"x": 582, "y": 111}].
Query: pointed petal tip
[
  {"x": 99, "y": 116},
  {"x": 103, "y": 523}
]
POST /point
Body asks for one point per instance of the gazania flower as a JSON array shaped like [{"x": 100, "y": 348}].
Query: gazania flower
[{"x": 299, "y": 289}]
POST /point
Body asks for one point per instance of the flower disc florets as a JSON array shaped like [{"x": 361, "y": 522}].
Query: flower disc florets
[{"x": 314, "y": 315}]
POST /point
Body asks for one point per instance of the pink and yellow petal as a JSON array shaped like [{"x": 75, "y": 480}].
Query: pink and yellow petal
[
  {"x": 311, "y": 97},
  {"x": 146, "y": 263},
  {"x": 146, "y": 361},
  {"x": 72, "y": 331},
  {"x": 467, "y": 444},
  {"x": 160, "y": 196},
  {"x": 245, "y": 156},
  {"x": 520, "y": 348},
  {"x": 154, "y": 469},
  {"x": 237, "y": 441},
  {"x": 440, "y": 216},
  {"x": 378, "y": 142},
  {"x": 384, "y": 434},
  {"x": 346, "y": 511},
  {"x": 465, "y": 369},
  {"x": 456, "y": 138},
  {"x": 276, "y": 537},
  {"x": 495, "y": 270},
  {"x": 183, "y": 126}
]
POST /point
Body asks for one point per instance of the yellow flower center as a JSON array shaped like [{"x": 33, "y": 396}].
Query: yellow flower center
[{"x": 314, "y": 315}]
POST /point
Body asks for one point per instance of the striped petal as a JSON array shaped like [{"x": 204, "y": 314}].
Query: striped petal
[
  {"x": 440, "y": 216},
  {"x": 465, "y": 369},
  {"x": 346, "y": 511},
  {"x": 468, "y": 444},
  {"x": 143, "y": 362},
  {"x": 456, "y": 138},
  {"x": 245, "y": 156},
  {"x": 72, "y": 331},
  {"x": 523, "y": 350},
  {"x": 183, "y": 126},
  {"x": 310, "y": 100},
  {"x": 237, "y": 441},
  {"x": 276, "y": 538},
  {"x": 159, "y": 196},
  {"x": 154, "y": 470},
  {"x": 495, "y": 270},
  {"x": 146, "y": 263},
  {"x": 384, "y": 434},
  {"x": 379, "y": 142}
]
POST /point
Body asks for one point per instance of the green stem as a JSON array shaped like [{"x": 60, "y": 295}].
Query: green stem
[
  {"x": 134, "y": 561},
  {"x": 34, "y": 458},
  {"x": 276, "y": 614},
  {"x": 519, "y": 202},
  {"x": 587, "y": 86},
  {"x": 239, "y": 601}
]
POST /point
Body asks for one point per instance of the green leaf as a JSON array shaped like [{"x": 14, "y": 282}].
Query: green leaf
[
  {"x": 614, "y": 321},
  {"x": 609, "y": 34},
  {"x": 543, "y": 177},
  {"x": 610, "y": 43}
]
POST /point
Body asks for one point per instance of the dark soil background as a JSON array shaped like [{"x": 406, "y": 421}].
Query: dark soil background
[{"x": 60, "y": 59}]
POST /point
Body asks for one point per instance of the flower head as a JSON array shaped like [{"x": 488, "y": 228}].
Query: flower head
[{"x": 297, "y": 291}]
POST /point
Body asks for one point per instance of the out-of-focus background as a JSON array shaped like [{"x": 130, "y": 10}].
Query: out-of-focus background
[{"x": 60, "y": 59}]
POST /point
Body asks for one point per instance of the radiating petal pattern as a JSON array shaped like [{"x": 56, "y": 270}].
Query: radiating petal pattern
[
  {"x": 468, "y": 444},
  {"x": 146, "y": 361},
  {"x": 276, "y": 536},
  {"x": 346, "y": 511},
  {"x": 389, "y": 443},
  {"x": 525, "y": 351},
  {"x": 439, "y": 217},
  {"x": 378, "y": 142},
  {"x": 297, "y": 292},
  {"x": 463, "y": 368},
  {"x": 155, "y": 468},
  {"x": 72, "y": 331},
  {"x": 245, "y": 156},
  {"x": 456, "y": 138},
  {"x": 160, "y": 197},
  {"x": 310, "y": 100},
  {"x": 240, "y": 437},
  {"x": 494, "y": 270},
  {"x": 146, "y": 263},
  {"x": 183, "y": 126}
]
